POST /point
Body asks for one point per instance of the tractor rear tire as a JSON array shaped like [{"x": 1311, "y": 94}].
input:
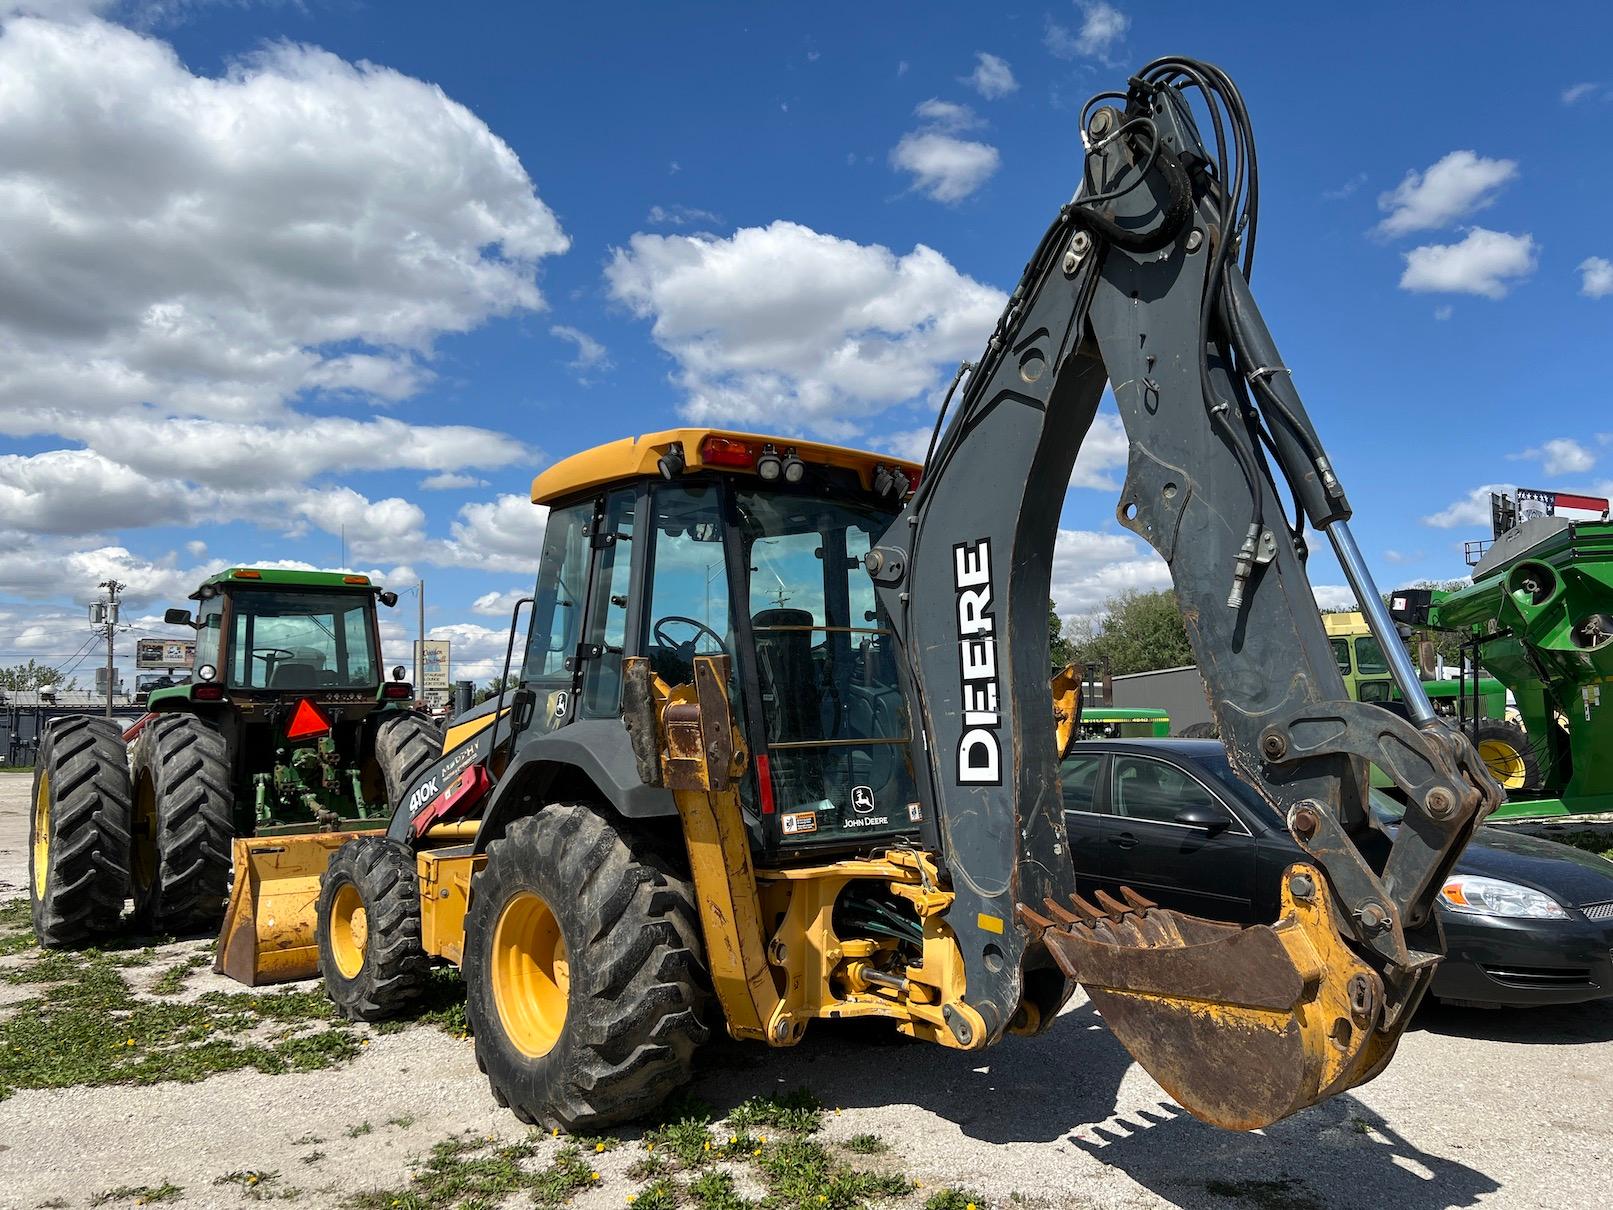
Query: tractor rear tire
[
  {"x": 405, "y": 747},
  {"x": 369, "y": 930},
  {"x": 584, "y": 977},
  {"x": 184, "y": 825},
  {"x": 79, "y": 831},
  {"x": 1506, "y": 751}
]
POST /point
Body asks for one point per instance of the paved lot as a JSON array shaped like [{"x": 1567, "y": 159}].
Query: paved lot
[{"x": 1479, "y": 1109}]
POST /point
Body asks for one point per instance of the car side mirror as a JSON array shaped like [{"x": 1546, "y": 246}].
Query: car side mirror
[
  {"x": 176, "y": 617},
  {"x": 1202, "y": 815}
]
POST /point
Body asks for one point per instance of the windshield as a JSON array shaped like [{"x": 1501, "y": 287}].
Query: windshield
[{"x": 302, "y": 640}]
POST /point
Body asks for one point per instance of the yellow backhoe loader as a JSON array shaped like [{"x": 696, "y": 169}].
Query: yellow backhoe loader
[{"x": 782, "y": 745}]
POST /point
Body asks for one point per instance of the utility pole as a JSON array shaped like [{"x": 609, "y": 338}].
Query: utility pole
[{"x": 109, "y": 616}]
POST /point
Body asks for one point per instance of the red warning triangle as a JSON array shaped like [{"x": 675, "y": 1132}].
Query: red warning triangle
[{"x": 306, "y": 721}]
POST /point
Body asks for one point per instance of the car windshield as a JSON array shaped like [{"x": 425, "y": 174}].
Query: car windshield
[
  {"x": 1384, "y": 809},
  {"x": 290, "y": 639}
]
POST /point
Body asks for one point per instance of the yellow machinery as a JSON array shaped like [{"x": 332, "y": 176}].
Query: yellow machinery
[{"x": 780, "y": 733}]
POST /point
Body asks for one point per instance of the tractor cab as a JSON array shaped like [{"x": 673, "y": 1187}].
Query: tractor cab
[{"x": 697, "y": 542}]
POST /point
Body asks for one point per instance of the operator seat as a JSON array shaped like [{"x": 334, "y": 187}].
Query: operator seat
[
  {"x": 784, "y": 667},
  {"x": 294, "y": 676}
]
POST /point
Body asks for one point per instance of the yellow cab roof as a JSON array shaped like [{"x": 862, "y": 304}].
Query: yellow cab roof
[
  {"x": 636, "y": 457},
  {"x": 1345, "y": 623}
]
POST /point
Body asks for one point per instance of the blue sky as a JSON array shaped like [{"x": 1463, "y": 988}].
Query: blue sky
[{"x": 274, "y": 271}]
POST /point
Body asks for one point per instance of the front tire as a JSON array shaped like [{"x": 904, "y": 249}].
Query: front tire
[
  {"x": 583, "y": 970},
  {"x": 405, "y": 747},
  {"x": 184, "y": 825},
  {"x": 369, "y": 930},
  {"x": 78, "y": 870}
]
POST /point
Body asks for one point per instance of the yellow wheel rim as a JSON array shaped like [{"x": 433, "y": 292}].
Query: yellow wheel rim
[
  {"x": 1504, "y": 762},
  {"x": 349, "y": 930},
  {"x": 531, "y": 977},
  {"x": 143, "y": 847},
  {"x": 42, "y": 833}
]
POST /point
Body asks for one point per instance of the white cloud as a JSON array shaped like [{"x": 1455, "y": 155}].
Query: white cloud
[
  {"x": 475, "y": 653},
  {"x": 448, "y": 481},
  {"x": 1346, "y": 189},
  {"x": 1103, "y": 28},
  {"x": 1596, "y": 277},
  {"x": 1091, "y": 568},
  {"x": 77, "y": 491},
  {"x": 1106, "y": 449},
  {"x": 947, "y": 115},
  {"x": 498, "y": 604},
  {"x": 505, "y": 534},
  {"x": 681, "y": 216},
  {"x": 1452, "y": 187},
  {"x": 1444, "y": 312},
  {"x": 992, "y": 77},
  {"x": 1559, "y": 456},
  {"x": 785, "y": 326},
  {"x": 1334, "y": 596},
  {"x": 1487, "y": 263},
  {"x": 1471, "y": 509},
  {"x": 590, "y": 353},
  {"x": 1576, "y": 93},
  {"x": 946, "y": 168}
]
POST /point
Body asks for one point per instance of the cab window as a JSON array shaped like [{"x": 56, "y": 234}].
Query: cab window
[
  {"x": 1369, "y": 658},
  {"x": 1078, "y": 776},
  {"x": 557, "y": 605},
  {"x": 1341, "y": 655},
  {"x": 296, "y": 639}
]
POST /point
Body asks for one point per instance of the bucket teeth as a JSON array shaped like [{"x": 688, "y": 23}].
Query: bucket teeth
[
  {"x": 1113, "y": 906},
  {"x": 1136, "y": 900}
]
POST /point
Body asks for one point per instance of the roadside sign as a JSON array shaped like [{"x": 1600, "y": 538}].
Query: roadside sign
[{"x": 164, "y": 653}]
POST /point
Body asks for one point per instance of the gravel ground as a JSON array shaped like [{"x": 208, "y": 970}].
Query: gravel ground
[{"x": 1479, "y": 1108}]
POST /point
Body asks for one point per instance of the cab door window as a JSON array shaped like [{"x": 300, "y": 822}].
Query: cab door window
[
  {"x": 558, "y": 602},
  {"x": 612, "y": 540}
]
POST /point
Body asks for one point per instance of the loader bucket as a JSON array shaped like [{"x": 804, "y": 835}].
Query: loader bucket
[
  {"x": 1241, "y": 1026},
  {"x": 270, "y": 930}
]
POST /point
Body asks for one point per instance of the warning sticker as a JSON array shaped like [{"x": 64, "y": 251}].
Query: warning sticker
[
  {"x": 914, "y": 812},
  {"x": 800, "y": 823}
]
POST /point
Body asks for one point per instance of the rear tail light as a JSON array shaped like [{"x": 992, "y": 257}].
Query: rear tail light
[
  {"x": 725, "y": 451},
  {"x": 397, "y": 690},
  {"x": 207, "y": 693}
]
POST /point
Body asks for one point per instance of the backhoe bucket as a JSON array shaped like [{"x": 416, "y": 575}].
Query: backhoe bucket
[
  {"x": 270, "y": 932},
  {"x": 1241, "y": 1026}
]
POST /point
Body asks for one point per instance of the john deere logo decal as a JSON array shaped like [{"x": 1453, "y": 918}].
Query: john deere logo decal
[{"x": 862, "y": 799}]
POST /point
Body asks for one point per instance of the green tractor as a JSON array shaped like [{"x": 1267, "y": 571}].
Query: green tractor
[
  {"x": 1539, "y": 615},
  {"x": 287, "y": 726}
]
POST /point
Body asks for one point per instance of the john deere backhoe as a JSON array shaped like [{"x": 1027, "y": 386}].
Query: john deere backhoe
[{"x": 782, "y": 735}]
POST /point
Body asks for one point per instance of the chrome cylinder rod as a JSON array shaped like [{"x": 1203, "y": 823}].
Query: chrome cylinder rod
[{"x": 1380, "y": 623}]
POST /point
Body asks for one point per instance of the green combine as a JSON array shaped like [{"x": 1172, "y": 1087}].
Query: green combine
[
  {"x": 1539, "y": 617},
  {"x": 287, "y": 726}
]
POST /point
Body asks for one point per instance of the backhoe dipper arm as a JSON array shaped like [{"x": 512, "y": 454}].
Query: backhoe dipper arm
[{"x": 1138, "y": 284}]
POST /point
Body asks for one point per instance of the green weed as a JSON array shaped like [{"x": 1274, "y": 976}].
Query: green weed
[
  {"x": 802, "y": 1174},
  {"x": 140, "y": 1195},
  {"x": 716, "y": 1191},
  {"x": 797, "y": 1111},
  {"x": 866, "y": 1144},
  {"x": 172, "y": 981},
  {"x": 954, "y": 1199},
  {"x": 661, "y": 1195}
]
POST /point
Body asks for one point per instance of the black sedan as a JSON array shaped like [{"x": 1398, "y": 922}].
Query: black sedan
[{"x": 1527, "y": 921}]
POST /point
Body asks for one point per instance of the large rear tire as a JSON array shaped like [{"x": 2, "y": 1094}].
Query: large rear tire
[
  {"x": 369, "y": 930},
  {"x": 583, "y": 971},
  {"x": 405, "y": 747},
  {"x": 78, "y": 869},
  {"x": 1506, "y": 751},
  {"x": 184, "y": 824}
]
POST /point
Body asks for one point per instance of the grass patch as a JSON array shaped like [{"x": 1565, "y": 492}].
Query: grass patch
[
  {"x": 359, "y": 1131},
  {"x": 661, "y": 1195},
  {"x": 716, "y": 1191},
  {"x": 16, "y": 927},
  {"x": 172, "y": 980},
  {"x": 258, "y": 1186},
  {"x": 954, "y": 1199},
  {"x": 90, "y": 1029},
  {"x": 798, "y": 1112},
  {"x": 1284, "y": 1193},
  {"x": 1600, "y": 843},
  {"x": 802, "y": 1174},
  {"x": 480, "y": 1172},
  {"x": 866, "y": 1144},
  {"x": 402, "y": 1123},
  {"x": 140, "y": 1195}
]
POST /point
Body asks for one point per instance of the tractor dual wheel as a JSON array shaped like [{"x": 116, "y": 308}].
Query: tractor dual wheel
[
  {"x": 1506, "y": 751},
  {"x": 369, "y": 930},
  {"x": 184, "y": 824},
  {"x": 79, "y": 831},
  {"x": 406, "y": 745},
  {"x": 583, "y": 971}
]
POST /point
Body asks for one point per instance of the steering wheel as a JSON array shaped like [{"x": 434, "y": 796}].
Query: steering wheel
[
  {"x": 271, "y": 654},
  {"x": 666, "y": 640}
]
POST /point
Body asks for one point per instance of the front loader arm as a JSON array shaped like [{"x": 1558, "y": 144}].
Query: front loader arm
[{"x": 1137, "y": 285}]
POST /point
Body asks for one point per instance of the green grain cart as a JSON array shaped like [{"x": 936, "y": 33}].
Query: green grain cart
[{"x": 1539, "y": 616}]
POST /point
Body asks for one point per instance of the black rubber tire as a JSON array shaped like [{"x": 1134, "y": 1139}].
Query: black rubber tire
[
  {"x": 1499, "y": 731},
  {"x": 77, "y": 884},
  {"x": 637, "y": 978},
  {"x": 394, "y": 967},
  {"x": 1209, "y": 730},
  {"x": 184, "y": 825},
  {"x": 405, "y": 746}
]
